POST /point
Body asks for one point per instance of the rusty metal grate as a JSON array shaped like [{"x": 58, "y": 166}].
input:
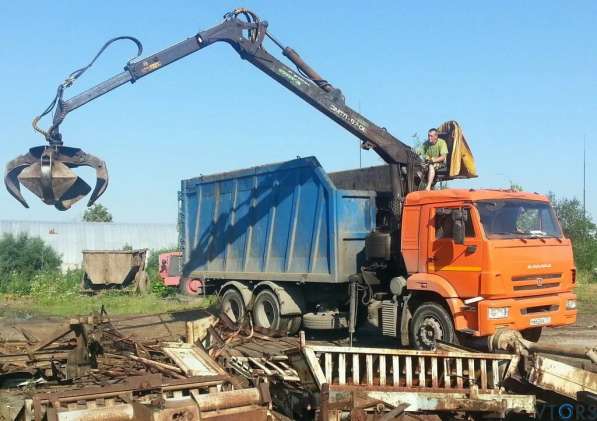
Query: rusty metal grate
[{"x": 408, "y": 369}]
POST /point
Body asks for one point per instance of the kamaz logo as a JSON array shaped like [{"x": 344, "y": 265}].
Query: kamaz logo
[
  {"x": 539, "y": 266},
  {"x": 360, "y": 125}
]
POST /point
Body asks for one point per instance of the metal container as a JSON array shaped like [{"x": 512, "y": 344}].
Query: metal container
[
  {"x": 280, "y": 222},
  {"x": 110, "y": 268}
]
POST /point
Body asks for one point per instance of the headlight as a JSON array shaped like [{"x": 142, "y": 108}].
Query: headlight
[
  {"x": 571, "y": 305},
  {"x": 498, "y": 312}
]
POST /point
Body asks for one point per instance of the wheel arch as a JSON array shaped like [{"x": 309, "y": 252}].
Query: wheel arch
[
  {"x": 452, "y": 305},
  {"x": 242, "y": 288},
  {"x": 290, "y": 297}
]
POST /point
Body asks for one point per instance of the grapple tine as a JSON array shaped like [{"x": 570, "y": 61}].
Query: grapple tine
[
  {"x": 46, "y": 172},
  {"x": 13, "y": 169},
  {"x": 101, "y": 178}
]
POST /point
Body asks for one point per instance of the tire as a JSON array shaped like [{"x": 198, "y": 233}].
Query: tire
[
  {"x": 190, "y": 287},
  {"x": 267, "y": 311},
  {"x": 431, "y": 321},
  {"x": 325, "y": 320},
  {"x": 232, "y": 305},
  {"x": 533, "y": 334}
]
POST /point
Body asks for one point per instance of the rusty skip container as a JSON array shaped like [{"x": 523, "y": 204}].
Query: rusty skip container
[
  {"x": 114, "y": 268},
  {"x": 278, "y": 222}
]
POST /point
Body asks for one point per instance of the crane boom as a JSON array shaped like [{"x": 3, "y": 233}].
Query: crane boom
[{"x": 246, "y": 36}]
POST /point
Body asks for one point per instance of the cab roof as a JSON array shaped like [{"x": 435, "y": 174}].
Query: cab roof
[{"x": 468, "y": 195}]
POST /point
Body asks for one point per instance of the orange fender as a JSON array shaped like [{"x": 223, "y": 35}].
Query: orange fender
[
  {"x": 432, "y": 283},
  {"x": 429, "y": 282}
]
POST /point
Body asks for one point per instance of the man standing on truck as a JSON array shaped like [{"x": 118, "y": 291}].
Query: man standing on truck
[{"x": 435, "y": 154}]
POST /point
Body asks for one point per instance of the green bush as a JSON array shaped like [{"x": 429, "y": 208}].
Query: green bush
[{"x": 22, "y": 258}]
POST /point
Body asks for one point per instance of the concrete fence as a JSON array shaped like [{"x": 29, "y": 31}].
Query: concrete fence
[{"x": 69, "y": 239}]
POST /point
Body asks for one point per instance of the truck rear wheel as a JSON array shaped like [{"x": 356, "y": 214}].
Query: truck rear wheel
[
  {"x": 267, "y": 314},
  {"x": 232, "y": 305},
  {"x": 431, "y": 322},
  {"x": 266, "y": 311}
]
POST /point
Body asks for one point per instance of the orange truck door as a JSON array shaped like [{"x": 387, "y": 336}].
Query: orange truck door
[{"x": 460, "y": 264}]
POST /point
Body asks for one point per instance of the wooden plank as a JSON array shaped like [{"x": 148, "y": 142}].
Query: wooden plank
[
  {"x": 191, "y": 359},
  {"x": 434, "y": 379},
  {"x": 382, "y": 370},
  {"x": 369, "y": 367},
  {"x": 356, "y": 375},
  {"x": 248, "y": 352},
  {"x": 496, "y": 374},
  {"x": 341, "y": 368},
  {"x": 471, "y": 372},
  {"x": 483, "y": 363},
  {"x": 459, "y": 373},
  {"x": 409, "y": 371},
  {"x": 328, "y": 367},
  {"x": 395, "y": 371},
  {"x": 447, "y": 368},
  {"x": 313, "y": 363},
  {"x": 421, "y": 371}
]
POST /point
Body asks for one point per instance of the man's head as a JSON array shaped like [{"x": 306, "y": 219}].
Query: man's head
[{"x": 432, "y": 136}]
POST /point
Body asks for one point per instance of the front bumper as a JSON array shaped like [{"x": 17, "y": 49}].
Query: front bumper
[{"x": 526, "y": 312}]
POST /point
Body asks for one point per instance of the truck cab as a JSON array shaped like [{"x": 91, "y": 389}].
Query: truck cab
[{"x": 493, "y": 259}]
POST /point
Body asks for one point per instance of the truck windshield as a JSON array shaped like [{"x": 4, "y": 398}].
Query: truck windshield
[{"x": 518, "y": 219}]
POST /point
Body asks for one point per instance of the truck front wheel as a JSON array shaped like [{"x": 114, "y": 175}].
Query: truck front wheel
[{"x": 431, "y": 322}]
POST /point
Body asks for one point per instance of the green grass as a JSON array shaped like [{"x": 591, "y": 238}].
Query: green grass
[
  {"x": 58, "y": 294},
  {"x": 115, "y": 304},
  {"x": 586, "y": 292}
]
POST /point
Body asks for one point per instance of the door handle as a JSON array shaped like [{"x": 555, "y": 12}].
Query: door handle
[{"x": 471, "y": 249}]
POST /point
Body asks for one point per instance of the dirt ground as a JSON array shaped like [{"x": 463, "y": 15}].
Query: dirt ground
[{"x": 169, "y": 326}]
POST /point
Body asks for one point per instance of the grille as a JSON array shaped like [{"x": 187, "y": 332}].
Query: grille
[
  {"x": 536, "y": 286},
  {"x": 540, "y": 309},
  {"x": 534, "y": 282},
  {"x": 389, "y": 318}
]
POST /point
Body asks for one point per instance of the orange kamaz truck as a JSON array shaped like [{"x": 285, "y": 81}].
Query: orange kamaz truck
[{"x": 292, "y": 246}]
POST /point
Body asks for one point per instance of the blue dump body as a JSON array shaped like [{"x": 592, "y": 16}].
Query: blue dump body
[{"x": 278, "y": 222}]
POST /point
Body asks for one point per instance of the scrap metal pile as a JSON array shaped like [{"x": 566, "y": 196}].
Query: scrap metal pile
[{"x": 91, "y": 370}]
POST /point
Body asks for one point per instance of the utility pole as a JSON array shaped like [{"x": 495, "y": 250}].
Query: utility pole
[{"x": 584, "y": 177}]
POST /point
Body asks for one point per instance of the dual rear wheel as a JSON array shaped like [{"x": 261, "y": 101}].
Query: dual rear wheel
[{"x": 267, "y": 311}]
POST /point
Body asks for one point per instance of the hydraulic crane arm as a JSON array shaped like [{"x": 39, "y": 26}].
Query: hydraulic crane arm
[{"x": 246, "y": 36}]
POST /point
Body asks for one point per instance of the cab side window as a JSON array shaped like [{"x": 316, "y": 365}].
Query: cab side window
[{"x": 444, "y": 223}]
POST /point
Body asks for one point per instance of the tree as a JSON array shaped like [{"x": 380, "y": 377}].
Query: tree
[
  {"x": 97, "y": 213},
  {"x": 581, "y": 230},
  {"x": 26, "y": 256}
]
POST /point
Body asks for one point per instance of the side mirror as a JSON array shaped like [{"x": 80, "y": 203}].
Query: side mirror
[{"x": 459, "y": 217}]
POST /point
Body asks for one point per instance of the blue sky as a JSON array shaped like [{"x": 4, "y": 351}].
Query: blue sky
[{"x": 520, "y": 77}]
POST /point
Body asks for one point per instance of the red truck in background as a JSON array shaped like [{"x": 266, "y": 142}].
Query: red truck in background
[{"x": 170, "y": 273}]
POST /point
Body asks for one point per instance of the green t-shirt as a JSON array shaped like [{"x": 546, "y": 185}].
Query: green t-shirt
[{"x": 438, "y": 149}]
